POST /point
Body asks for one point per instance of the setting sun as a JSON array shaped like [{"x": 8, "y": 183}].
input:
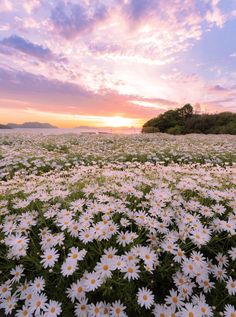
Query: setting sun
[{"x": 117, "y": 122}]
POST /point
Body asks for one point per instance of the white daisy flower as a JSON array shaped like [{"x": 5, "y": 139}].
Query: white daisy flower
[
  {"x": 49, "y": 257},
  {"x": 38, "y": 303},
  {"x": 53, "y": 309},
  {"x": 92, "y": 281},
  {"x": 231, "y": 286},
  {"x": 17, "y": 273},
  {"x": 174, "y": 299},
  {"x": 24, "y": 312},
  {"x": 82, "y": 308},
  {"x": 232, "y": 254},
  {"x": 68, "y": 267},
  {"x": 229, "y": 311},
  {"x": 131, "y": 271},
  {"x": 145, "y": 297},
  {"x": 117, "y": 309},
  {"x": 190, "y": 311},
  {"x": 37, "y": 285}
]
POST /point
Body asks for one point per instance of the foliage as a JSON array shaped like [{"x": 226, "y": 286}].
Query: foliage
[{"x": 184, "y": 121}]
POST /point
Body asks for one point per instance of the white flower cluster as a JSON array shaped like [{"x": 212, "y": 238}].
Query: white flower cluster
[
  {"x": 33, "y": 153},
  {"x": 121, "y": 239}
]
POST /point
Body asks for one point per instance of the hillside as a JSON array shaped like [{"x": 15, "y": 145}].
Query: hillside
[
  {"x": 27, "y": 125},
  {"x": 184, "y": 120},
  {"x": 4, "y": 126}
]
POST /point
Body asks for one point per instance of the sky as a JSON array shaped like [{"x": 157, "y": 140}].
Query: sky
[{"x": 114, "y": 62}]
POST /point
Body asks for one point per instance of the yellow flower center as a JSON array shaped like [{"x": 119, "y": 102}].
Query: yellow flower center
[
  {"x": 105, "y": 267},
  {"x": 118, "y": 311},
  {"x": 38, "y": 303},
  {"x": 203, "y": 310},
  {"x": 206, "y": 283}
]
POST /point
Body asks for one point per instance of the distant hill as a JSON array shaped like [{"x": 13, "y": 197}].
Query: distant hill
[
  {"x": 3, "y": 126},
  {"x": 27, "y": 125},
  {"x": 184, "y": 120}
]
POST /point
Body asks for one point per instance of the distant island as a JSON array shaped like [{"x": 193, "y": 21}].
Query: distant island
[
  {"x": 27, "y": 125},
  {"x": 184, "y": 120}
]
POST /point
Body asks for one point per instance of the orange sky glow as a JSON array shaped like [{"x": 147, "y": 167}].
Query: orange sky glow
[{"x": 114, "y": 63}]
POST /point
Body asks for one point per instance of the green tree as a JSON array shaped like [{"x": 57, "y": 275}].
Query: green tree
[{"x": 183, "y": 121}]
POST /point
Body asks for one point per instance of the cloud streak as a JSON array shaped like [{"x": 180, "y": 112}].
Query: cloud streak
[
  {"x": 63, "y": 97},
  {"x": 25, "y": 46}
]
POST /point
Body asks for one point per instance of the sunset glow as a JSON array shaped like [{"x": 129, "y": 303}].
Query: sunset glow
[
  {"x": 114, "y": 63},
  {"x": 119, "y": 122}
]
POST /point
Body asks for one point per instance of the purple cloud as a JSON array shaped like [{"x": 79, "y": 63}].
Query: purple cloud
[
  {"x": 65, "y": 97},
  {"x": 27, "y": 47},
  {"x": 103, "y": 48},
  {"x": 71, "y": 19},
  {"x": 136, "y": 9},
  {"x": 218, "y": 88}
]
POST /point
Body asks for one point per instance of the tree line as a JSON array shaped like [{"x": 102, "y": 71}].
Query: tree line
[{"x": 184, "y": 120}]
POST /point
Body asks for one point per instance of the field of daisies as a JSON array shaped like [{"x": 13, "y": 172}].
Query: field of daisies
[{"x": 117, "y": 225}]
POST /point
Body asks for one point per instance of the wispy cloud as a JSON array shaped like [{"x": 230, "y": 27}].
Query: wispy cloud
[
  {"x": 19, "y": 43},
  {"x": 5, "y": 5},
  {"x": 214, "y": 15},
  {"x": 31, "y": 5},
  {"x": 71, "y": 19},
  {"x": 63, "y": 97}
]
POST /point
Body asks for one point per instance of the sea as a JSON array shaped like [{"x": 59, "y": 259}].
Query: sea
[{"x": 58, "y": 131}]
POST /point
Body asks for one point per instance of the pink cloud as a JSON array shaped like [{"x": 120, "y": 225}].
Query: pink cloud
[
  {"x": 31, "y": 5},
  {"x": 214, "y": 14},
  {"x": 60, "y": 97},
  {"x": 5, "y": 5}
]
